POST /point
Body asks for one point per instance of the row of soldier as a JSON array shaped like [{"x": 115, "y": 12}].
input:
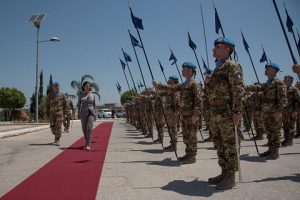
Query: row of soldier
[{"x": 221, "y": 102}]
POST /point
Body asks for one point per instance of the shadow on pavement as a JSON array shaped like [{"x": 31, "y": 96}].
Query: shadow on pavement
[
  {"x": 207, "y": 148},
  {"x": 248, "y": 158},
  {"x": 168, "y": 162},
  {"x": 42, "y": 144},
  {"x": 144, "y": 142},
  {"x": 154, "y": 151},
  {"x": 295, "y": 178},
  {"x": 193, "y": 188},
  {"x": 287, "y": 154}
]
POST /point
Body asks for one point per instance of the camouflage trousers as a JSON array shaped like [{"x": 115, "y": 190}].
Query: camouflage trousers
[
  {"x": 172, "y": 121},
  {"x": 288, "y": 124},
  {"x": 223, "y": 132},
  {"x": 189, "y": 132},
  {"x": 66, "y": 121},
  {"x": 272, "y": 129},
  {"x": 298, "y": 123},
  {"x": 55, "y": 124},
  {"x": 160, "y": 124},
  {"x": 149, "y": 123},
  {"x": 258, "y": 123}
]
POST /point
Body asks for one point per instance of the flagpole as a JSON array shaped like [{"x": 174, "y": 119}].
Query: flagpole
[
  {"x": 137, "y": 60},
  {"x": 126, "y": 77},
  {"x": 247, "y": 49},
  {"x": 163, "y": 111},
  {"x": 293, "y": 33},
  {"x": 178, "y": 72},
  {"x": 162, "y": 70},
  {"x": 285, "y": 35},
  {"x": 198, "y": 65},
  {"x": 130, "y": 73},
  {"x": 205, "y": 40}
]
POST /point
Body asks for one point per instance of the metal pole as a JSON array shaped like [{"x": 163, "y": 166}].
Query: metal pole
[
  {"x": 204, "y": 36},
  {"x": 178, "y": 72},
  {"x": 36, "y": 77}
]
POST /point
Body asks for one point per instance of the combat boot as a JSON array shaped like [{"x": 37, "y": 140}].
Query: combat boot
[
  {"x": 217, "y": 179},
  {"x": 56, "y": 141},
  {"x": 228, "y": 182},
  {"x": 297, "y": 135},
  {"x": 156, "y": 141},
  {"x": 170, "y": 148},
  {"x": 189, "y": 160},
  {"x": 274, "y": 155},
  {"x": 182, "y": 158},
  {"x": 266, "y": 153},
  {"x": 259, "y": 137},
  {"x": 288, "y": 142}
]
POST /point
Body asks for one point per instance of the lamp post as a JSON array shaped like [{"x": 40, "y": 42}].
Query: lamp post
[{"x": 36, "y": 20}]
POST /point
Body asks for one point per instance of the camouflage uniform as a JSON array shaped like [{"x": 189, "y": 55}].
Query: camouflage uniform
[
  {"x": 56, "y": 109},
  {"x": 190, "y": 104},
  {"x": 158, "y": 116},
  {"x": 288, "y": 119},
  {"x": 67, "y": 118},
  {"x": 225, "y": 92},
  {"x": 274, "y": 100},
  {"x": 257, "y": 114},
  {"x": 171, "y": 111}
]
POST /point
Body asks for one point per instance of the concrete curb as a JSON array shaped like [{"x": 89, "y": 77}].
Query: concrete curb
[{"x": 12, "y": 133}]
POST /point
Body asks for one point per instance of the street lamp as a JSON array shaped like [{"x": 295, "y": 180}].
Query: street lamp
[{"x": 36, "y": 20}]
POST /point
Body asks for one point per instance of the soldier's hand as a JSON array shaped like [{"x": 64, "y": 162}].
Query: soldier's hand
[
  {"x": 194, "y": 119},
  {"x": 154, "y": 83},
  {"x": 236, "y": 118},
  {"x": 277, "y": 116},
  {"x": 294, "y": 115},
  {"x": 296, "y": 68}
]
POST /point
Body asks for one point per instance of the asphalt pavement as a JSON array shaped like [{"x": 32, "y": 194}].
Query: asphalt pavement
[{"x": 135, "y": 168}]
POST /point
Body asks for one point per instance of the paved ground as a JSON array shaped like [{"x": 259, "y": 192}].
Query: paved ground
[{"x": 137, "y": 169}]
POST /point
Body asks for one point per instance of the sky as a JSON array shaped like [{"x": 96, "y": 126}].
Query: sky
[{"x": 92, "y": 33}]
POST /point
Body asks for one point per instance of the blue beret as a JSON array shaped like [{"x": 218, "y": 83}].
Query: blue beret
[
  {"x": 224, "y": 40},
  {"x": 273, "y": 65},
  {"x": 189, "y": 65},
  {"x": 55, "y": 84},
  {"x": 173, "y": 77},
  {"x": 289, "y": 77}
]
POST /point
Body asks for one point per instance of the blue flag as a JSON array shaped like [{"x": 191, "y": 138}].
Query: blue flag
[
  {"x": 217, "y": 22},
  {"x": 298, "y": 45},
  {"x": 245, "y": 43},
  {"x": 161, "y": 67},
  {"x": 126, "y": 56},
  {"x": 263, "y": 57},
  {"x": 118, "y": 87},
  {"x": 289, "y": 22},
  {"x": 140, "y": 85},
  {"x": 191, "y": 43},
  {"x": 137, "y": 22},
  {"x": 172, "y": 57},
  {"x": 123, "y": 64},
  {"x": 134, "y": 41}
]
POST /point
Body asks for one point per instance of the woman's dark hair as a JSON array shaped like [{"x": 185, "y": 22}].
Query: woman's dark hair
[{"x": 83, "y": 85}]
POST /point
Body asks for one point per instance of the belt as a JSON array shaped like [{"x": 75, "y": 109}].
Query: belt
[{"x": 222, "y": 107}]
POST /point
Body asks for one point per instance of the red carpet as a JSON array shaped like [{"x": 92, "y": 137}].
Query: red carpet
[{"x": 73, "y": 174}]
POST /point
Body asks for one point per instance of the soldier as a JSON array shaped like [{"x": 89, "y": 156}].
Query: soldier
[
  {"x": 290, "y": 111},
  {"x": 56, "y": 109},
  {"x": 297, "y": 85},
  {"x": 206, "y": 111},
  {"x": 274, "y": 100},
  {"x": 171, "y": 111},
  {"x": 68, "y": 117},
  {"x": 190, "y": 107},
  {"x": 225, "y": 93},
  {"x": 257, "y": 114}
]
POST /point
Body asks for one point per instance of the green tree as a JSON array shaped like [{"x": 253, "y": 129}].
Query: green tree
[
  {"x": 77, "y": 85},
  {"x": 127, "y": 96},
  {"x": 10, "y": 99},
  {"x": 49, "y": 87},
  {"x": 41, "y": 96}
]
